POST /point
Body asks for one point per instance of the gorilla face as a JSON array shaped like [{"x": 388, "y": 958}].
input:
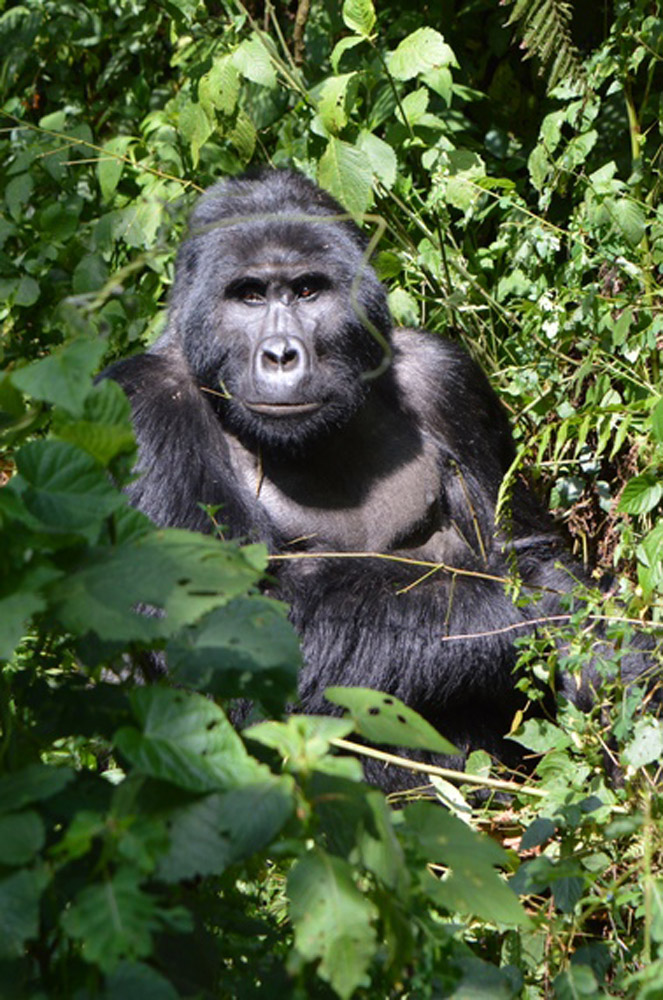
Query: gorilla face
[{"x": 277, "y": 313}]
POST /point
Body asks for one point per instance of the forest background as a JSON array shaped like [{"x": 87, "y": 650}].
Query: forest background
[{"x": 507, "y": 159}]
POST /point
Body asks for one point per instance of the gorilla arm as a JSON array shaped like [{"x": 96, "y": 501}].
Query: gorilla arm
[{"x": 183, "y": 454}]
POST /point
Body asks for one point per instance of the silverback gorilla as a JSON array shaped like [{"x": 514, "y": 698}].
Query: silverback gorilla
[{"x": 257, "y": 398}]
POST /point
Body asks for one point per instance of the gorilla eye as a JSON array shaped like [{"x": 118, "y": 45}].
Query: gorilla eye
[
  {"x": 308, "y": 286},
  {"x": 248, "y": 290}
]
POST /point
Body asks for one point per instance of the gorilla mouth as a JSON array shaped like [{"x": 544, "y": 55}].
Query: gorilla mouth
[{"x": 282, "y": 409}]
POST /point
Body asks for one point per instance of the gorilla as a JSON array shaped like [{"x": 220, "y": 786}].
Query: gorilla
[{"x": 281, "y": 392}]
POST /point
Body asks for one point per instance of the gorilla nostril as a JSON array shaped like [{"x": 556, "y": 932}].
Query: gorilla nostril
[{"x": 290, "y": 358}]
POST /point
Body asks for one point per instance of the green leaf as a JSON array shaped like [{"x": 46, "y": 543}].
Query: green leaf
[
  {"x": 209, "y": 835},
  {"x": 422, "y": 51},
  {"x": 473, "y": 887},
  {"x": 33, "y": 783},
  {"x": 187, "y": 740},
  {"x": 27, "y": 291},
  {"x": 196, "y": 127},
  {"x": 630, "y": 218},
  {"x": 383, "y": 718},
  {"x": 381, "y": 157},
  {"x": 333, "y": 921},
  {"x": 63, "y": 488},
  {"x": 105, "y": 430},
  {"x": 15, "y": 610},
  {"x": 403, "y": 307},
  {"x": 64, "y": 377},
  {"x": 646, "y": 745},
  {"x": 252, "y": 60},
  {"x": 219, "y": 88},
  {"x": 20, "y": 894},
  {"x": 336, "y": 95},
  {"x": 540, "y": 736},
  {"x": 90, "y": 274},
  {"x": 183, "y": 573},
  {"x": 21, "y": 836},
  {"x": 576, "y": 982},
  {"x": 138, "y": 224},
  {"x": 657, "y": 422},
  {"x": 223, "y": 654},
  {"x": 413, "y": 106},
  {"x": 136, "y": 981},
  {"x": 110, "y": 165},
  {"x": 540, "y": 167},
  {"x": 18, "y": 193},
  {"x": 359, "y": 16},
  {"x": 641, "y": 494},
  {"x": 113, "y": 920},
  {"x": 344, "y": 171},
  {"x": 304, "y": 742},
  {"x": 344, "y": 45}
]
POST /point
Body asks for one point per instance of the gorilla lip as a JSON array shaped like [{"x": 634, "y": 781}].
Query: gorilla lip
[{"x": 282, "y": 409}]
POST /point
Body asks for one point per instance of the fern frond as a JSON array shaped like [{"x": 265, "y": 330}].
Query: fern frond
[{"x": 544, "y": 29}]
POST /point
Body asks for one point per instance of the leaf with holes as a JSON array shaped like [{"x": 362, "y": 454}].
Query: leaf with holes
[
  {"x": 382, "y": 718},
  {"x": 187, "y": 740}
]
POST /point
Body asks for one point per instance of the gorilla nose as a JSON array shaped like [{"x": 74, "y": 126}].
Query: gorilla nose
[{"x": 281, "y": 363}]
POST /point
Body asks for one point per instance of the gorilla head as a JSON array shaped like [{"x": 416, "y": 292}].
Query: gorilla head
[{"x": 276, "y": 309}]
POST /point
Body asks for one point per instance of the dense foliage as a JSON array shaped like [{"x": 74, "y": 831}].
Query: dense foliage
[{"x": 146, "y": 850}]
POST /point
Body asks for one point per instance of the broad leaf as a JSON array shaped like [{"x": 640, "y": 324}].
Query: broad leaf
[
  {"x": 187, "y": 740},
  {"x": 359, "y": 16},
  {"x": 246, "y": 648},
  {"x": 422, "y": 51},
  {"x": 63, "y": 488},
  {"x": 333, "y": 921},
  {"x": 113, "y": 920},
  {"x": 345, "y": 172},
  {"x": 182, "y": 573},
  {"x": 214, "y": 832},
  {"x": 19, "y": 909},
  {"x": 64, "y": 377},
  {"x": 21, "y": 836},
  {"x": 383, "y": 718},
  {"x": 473, "y": 886}
]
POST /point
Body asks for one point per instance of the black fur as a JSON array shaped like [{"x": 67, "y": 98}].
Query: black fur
[{"x": 256, "y": 398}]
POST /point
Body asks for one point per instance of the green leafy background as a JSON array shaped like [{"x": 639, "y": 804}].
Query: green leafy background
[{"x": 505, "y": 159}]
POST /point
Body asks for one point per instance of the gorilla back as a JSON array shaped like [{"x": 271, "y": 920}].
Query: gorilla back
[{"x": 257, "y": 396}]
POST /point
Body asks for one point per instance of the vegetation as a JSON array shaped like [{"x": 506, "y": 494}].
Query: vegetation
[{"x": 146, "y": 850}]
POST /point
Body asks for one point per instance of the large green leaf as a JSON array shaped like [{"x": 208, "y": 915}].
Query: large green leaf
[
  {"x": 21, "y": 836},
  {"x": 346, "y": 173},
  {"x": 253, "y": 61},
  {"x": 64, "y": 377},
  {"x": 359, "y": 16},
  {"x": 31, "y": 784},
  {"x": 422, "y": 51},
  {"x": 19, "y": 909},
  {"x": 473, "y": 886},
  {"x": 208, "y": 835},
  {"x": 113, "y": 920},
  {"x": 15, "y": 610},
  {"x": 184, "y": 574},
  {"x": 137, "y": 981},
  {"x": 187, "y": 740},
  {"x": 333, "y": 921},
  {"x": 383, "y": 718},
  {"x": 335, "y": 101},
  {"x": 63, "y": 488},
  {"x": 247, "y": 647}
]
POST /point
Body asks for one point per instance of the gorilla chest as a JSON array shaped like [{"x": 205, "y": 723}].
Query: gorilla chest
[{"x": 375, "y": 498}]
